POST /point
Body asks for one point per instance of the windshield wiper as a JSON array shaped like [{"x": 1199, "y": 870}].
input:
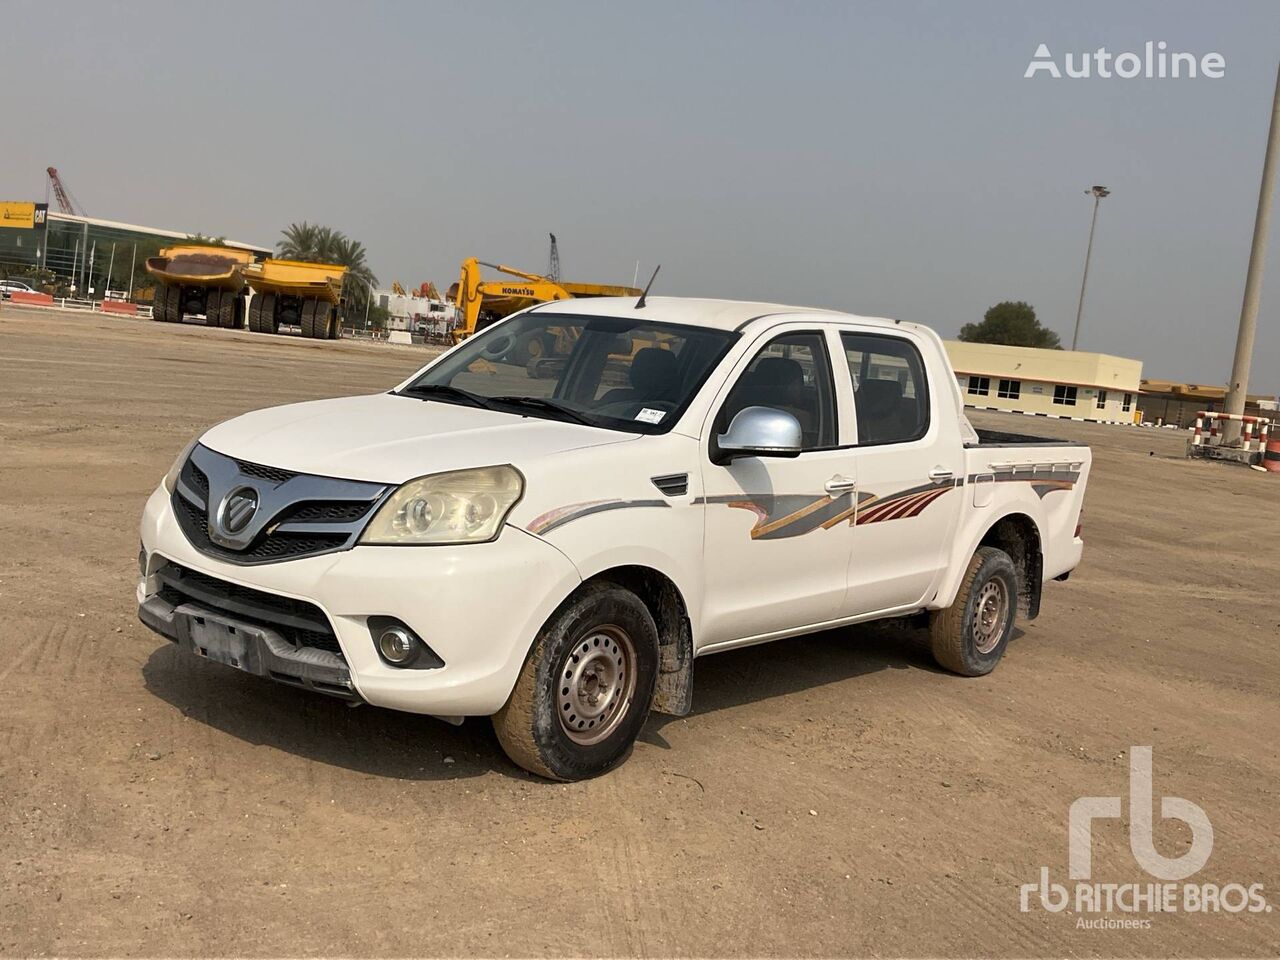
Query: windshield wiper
[
  {"x": 442, "y": 391},
  {"x": 544, "y": 404}
]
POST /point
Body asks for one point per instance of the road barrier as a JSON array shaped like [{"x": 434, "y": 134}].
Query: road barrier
[{"x": 31, "y": 299}]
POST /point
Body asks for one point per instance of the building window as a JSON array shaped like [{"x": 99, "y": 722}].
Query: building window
[
  {"x": 1128, "y": 403},
  {"x": 1102, "y": 399},
  {"x": 1010, "y": 389},
  {"x": 1066, "y": 396},
  {"x": 980, "y": 386}
]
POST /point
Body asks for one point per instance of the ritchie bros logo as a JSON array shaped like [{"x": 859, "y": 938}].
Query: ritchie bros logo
[{"x": 1169, "y": 896}]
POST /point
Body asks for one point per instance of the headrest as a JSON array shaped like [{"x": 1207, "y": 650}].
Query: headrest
[{"x": 653, "y": 370}]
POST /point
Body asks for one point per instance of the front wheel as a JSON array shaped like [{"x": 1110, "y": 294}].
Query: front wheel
[
  {"x": 970, "y": 636},
  {"x": 585, "y": 689}
]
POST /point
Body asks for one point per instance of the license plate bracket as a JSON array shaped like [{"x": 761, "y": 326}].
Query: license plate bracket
[{"x": 221, "y": 642}]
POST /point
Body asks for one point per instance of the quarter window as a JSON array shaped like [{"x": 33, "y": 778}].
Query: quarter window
[
  {"x": 980, "y": 386},
  {"x": 1064, "y": 395},
  {"x": 891, "y": 395},
  {"x": 1010, "y": 389},
  {"x": 791, "y": 373}
]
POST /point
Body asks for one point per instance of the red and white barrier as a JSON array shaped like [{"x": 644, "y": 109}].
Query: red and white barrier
[{"x": 1199, "y": 439}]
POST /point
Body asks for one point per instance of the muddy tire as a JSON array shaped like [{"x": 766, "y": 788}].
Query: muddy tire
[
  {"x": 585, "y": 689},
  {"x": 970, "y": 636}
]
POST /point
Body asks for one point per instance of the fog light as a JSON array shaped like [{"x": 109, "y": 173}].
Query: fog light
[{"x": 397, "y": 645}]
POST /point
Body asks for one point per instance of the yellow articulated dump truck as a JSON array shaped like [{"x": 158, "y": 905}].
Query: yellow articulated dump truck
[
  {"x": 195, "y": 279},
  {"x": 306, "y": 295}
]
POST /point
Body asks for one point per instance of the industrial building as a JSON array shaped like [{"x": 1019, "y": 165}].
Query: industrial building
[
  {"x": 1066, "y": 384},
  {"x": 84, "y": 253}
]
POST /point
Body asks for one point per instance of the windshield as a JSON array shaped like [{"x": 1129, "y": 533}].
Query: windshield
[{"x": 624, "y": 374}]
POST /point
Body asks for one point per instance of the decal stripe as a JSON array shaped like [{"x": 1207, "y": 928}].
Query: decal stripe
[{"x": 575, "y": 511}]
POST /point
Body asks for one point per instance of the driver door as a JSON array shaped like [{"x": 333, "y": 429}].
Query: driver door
[{"x": 777, "y": 532}]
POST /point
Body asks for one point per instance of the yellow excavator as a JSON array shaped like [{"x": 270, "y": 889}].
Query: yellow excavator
[{"x": 483, "y": 302}]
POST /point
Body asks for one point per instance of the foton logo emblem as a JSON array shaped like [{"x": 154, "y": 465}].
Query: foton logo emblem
[{"x": 238, "y": 509}]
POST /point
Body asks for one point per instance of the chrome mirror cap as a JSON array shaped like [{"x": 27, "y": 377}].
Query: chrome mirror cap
[{"x": 761, "y": 432}]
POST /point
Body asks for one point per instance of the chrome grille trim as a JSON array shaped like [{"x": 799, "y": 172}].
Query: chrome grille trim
[{"x": 298, "y": 514}]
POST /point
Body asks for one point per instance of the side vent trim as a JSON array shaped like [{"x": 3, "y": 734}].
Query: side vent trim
[{"x": 672, "y": 484}]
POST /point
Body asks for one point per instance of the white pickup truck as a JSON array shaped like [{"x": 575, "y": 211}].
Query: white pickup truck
[{"x": 553, "y": 541}]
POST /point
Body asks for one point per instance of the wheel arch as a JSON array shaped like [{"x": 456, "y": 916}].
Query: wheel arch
[
  {"x": 665, "y": 601},
  {"x": 1019, "y": 535}
]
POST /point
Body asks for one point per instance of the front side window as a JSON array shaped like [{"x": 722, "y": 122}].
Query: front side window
[
  {"x": 980, "y": 386},
  {"x": 1064, "y": 395},
  {"x": 790, "y": 373},
  {"x": 612, "y": 372},
  {"x": 890, "y": 393},
  {"x": 1010, "y": 389}
]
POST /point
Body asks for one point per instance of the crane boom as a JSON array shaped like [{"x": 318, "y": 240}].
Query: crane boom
[{"x": 65, "y": 201}]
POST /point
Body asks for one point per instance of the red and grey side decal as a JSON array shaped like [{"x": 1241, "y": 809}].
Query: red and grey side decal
[
  {"x": 782, "y": 516},
  {"x": 574, "y": 511},
  {"x": 1044, "y": 480}
]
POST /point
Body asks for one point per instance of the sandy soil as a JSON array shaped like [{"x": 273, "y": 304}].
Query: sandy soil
[{"x": 829, "y": 795}]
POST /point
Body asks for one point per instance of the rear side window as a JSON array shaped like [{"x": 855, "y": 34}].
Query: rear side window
[
  {"x": 790, "y": 373},
  {"x": 890, "y": 393}
]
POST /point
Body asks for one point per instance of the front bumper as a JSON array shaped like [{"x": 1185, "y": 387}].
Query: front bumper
[
  {"x": 249, "y": 647},
  {"x": 478, "y": 606}
]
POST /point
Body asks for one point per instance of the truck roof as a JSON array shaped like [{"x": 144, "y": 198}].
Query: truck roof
[{"x": 692, "y": 311}]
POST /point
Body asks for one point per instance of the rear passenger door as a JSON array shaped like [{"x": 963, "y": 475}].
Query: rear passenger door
[{"x": 908, "y": 468}]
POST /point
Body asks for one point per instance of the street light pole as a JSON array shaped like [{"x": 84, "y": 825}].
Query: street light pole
[
  {"x": 1098, "y": 193},
  {"x": 1237, "y": 390}
]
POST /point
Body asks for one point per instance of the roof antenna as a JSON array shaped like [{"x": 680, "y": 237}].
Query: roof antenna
[{"x": 640, "y": 303}]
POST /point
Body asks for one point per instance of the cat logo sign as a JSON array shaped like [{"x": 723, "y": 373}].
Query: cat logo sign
[{"x": 18, "y": 215}]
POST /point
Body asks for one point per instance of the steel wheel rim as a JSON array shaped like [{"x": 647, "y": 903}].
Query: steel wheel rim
[
  {"x": 990, "y": 615},
  {"x": 595, "y": 684}
]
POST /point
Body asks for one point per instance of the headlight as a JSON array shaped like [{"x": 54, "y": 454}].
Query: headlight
[
  {"x": 171, "y": 478},
  {"x": 466, "y": 506}
]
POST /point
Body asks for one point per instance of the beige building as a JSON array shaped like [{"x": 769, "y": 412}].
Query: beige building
[{"x": 1049, "y": 383}]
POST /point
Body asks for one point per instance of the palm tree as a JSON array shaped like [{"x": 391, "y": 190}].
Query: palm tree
[
  {"x": 300, "y": 241},
  {"x": 318, "y": 244}
]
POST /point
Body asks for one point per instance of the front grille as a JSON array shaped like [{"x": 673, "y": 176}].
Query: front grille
[
  {"x": 298, "y": 622},
  {"x": 194, "y": 522},
  {"x": 271, "y": 474},
  {"x": 299, "y": 515}
]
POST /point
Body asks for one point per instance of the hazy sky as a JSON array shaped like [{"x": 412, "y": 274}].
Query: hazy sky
[{"x": 884, "y": 158}]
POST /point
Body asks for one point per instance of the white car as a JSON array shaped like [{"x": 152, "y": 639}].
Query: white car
[
  {"x": 9, "y": 287},
  {"x": 553, "y": 543}
]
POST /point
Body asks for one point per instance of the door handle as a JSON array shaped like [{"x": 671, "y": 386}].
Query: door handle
[
  {"x": 838, "y": 485},
  {"x": 940, "y": 473}
]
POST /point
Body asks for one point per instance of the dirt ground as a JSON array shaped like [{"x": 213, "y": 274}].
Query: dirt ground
[{"x": 831, "y": 795}]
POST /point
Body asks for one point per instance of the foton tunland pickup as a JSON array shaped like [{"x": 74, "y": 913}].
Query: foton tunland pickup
[{"x": 549, "y": 523}]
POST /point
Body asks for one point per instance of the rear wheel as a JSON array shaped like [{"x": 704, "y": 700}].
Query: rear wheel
[
  {"x": 269, "y": 322},
  {"x": 227, "y": 310},
  {"x": 212, "y": 308},
  {"x": 585, "y": 689},
  {"x": 970, "y": 636},
  {"x": 311, "y": 327},
  {"x": 173, "y": 304},
  {"x": 158, "y": 304}
]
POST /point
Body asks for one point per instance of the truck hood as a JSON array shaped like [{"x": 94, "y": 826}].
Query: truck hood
[{"x": 390, "y": 439}]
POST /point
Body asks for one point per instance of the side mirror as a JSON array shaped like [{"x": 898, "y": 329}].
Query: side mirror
[{"x": 759, "y": 432}]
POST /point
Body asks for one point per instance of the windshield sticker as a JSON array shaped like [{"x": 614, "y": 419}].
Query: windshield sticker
[{"x": 649, "y": 415}]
